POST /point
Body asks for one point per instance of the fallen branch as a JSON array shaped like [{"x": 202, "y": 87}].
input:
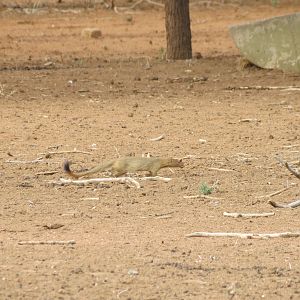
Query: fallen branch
[
  {"x": 290, "y": 146},
  {"x": 248, "y": 215},
  {"x": 71, "y": 242},
  {"x": 156, "y": 178},
  {"x": 286, "y": 164},
  {"x": 221, "y": 170},
  {"x": 259, "y": 87},
  {"x": 48, "y": 154},
  {"x": 244, "y": 235},
  {"x": 277, "y": 192},
  {"x": 293, "y": 171},
  {"x": 81, "y": 182},
  {"x": 47, "y": 173},
  {"x": 37, "y": 160},
  {"x": 288, "y": 205},
  {"x": 202, "y": 196},
  {"x": 127, "y": 180},
  {"x": 155, "y": 3},
  {"x": 209, "y": 3},
  {"x": 190, "y": 156},
  {"x": 124, "y": 8}
]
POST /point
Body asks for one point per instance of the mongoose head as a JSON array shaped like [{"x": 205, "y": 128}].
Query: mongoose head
[{"x": 177, "y": 163}]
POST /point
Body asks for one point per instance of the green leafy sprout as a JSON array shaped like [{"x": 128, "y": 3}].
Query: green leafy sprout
[{"x": 205, "y": 189}]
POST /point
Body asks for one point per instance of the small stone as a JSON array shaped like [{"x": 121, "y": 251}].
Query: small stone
[
  {"x": 201, "y": 141},
  {"x": 130, "y": 115},
  {"x": 133, "y": 272},
  {"x": 94, "y": 33}
]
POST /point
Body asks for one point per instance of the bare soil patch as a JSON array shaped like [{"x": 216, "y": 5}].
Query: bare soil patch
[{"x": 109, "y": 97}]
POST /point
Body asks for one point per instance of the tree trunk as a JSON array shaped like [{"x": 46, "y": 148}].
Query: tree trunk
[{"x": 179, "y": 45}]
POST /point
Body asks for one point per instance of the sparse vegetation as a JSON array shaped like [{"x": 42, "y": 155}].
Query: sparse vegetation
[{"x": 205, "y": 189}]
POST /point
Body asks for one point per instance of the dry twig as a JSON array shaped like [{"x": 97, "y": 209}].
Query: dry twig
[
  {"x": 244, "y": 235},
  {"x": 37, "y": 160},
  {"x": 158, "y": 138},
  {"x": 47, "y": 154},
  {"x": 127, "y": 180},
  {"x": 71, "y": 242},
  {"x": 46, "y": 173},
  {"x": 221, "y": 170},
  {"x": 202, "y": 196},
  {"x": 278, "y": 192},
  {"x": 191, "y": 156},
  {"x": 259, "y": 87},
  {"x": 287, "y": 165},
  {"x": 119, "y": 9},
  {"x": 288, "y": 205},
  {"x": 248, "y": 215},
  {"x": 155, "y": 178},
  {"x": 209, "y": 3}
]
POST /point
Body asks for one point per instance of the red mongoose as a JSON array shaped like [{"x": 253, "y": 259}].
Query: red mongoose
[{"x": 123, "y": 165}]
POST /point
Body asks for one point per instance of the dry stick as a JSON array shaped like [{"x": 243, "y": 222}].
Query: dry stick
[
  {"x": 289, "y": 205},
  {"x": 190, "y": 156},
  {"x": 47, "y": 173},
  {"x": 158, "y": 138},
  {"x": 156, "y": 178},
  {"x": 202, "y": 196},
  {"x": 136, "y": 4},
  {"x": 258, "y": 87},
  {"x": 97, "y": 180},
  {"x": 37, "y": 160},
  {"x": 244, "y": 235},
  {"x": 54, "y": 146},
  {"x": 64, "y": 152},
  {"x": 290, "y": 146},
  {"x": 222, "y": 170},
  {"x": 248, "y": 215},
  {"x": 71, "y": 242},
  {"x": 277, "y": 192},
  {"x": 160, "y": 216},
  {"x": 286, "y": 164},
  {"x": 293, "y": 171},
  {"x": 209, "y": 3},
  {"x": 249, "y": 120},
  {"x": 129, "y": 7},
  {"x": 127, "y": 180},
  {"x": 155, "y": 3}
]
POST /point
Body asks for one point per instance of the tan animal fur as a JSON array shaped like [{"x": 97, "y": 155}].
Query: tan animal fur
[{"x": 120, "y": 166}]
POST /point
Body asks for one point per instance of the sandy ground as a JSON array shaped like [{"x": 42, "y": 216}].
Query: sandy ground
[{"x": 108, "y": 97}]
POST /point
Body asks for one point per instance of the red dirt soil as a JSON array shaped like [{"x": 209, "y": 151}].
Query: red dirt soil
[{"x": 109, "y": 97}]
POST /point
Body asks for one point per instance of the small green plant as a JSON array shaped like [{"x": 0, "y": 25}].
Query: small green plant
[{"x": 205, "y": 189}]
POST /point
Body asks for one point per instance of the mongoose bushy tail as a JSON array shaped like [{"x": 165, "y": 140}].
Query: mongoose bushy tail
[{"x": 120, "y": 166}]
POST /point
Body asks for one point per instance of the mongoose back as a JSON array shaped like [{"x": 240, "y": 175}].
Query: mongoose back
[{"x": 120, "y": 166}]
